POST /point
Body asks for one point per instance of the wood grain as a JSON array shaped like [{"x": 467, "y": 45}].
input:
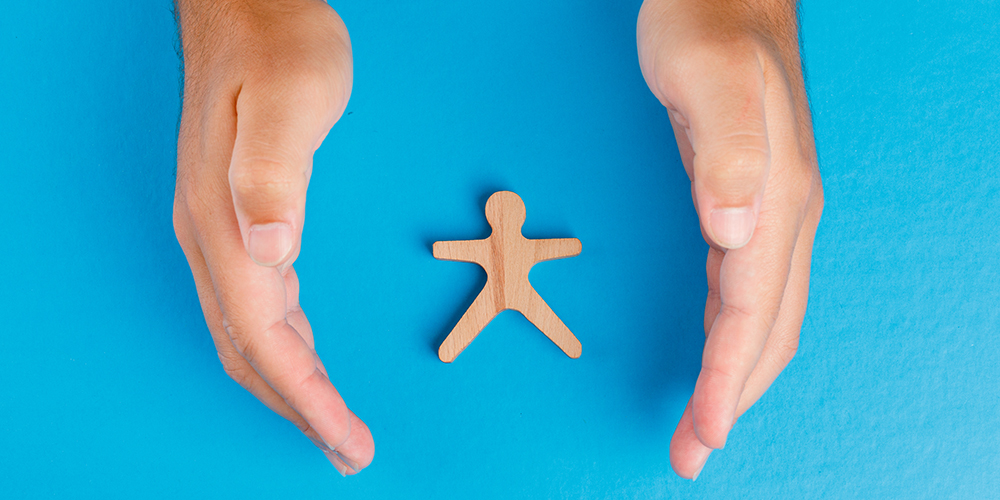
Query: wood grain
[{"x": 507, "y": 256}]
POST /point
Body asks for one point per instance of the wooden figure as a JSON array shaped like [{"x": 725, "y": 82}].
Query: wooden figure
[{"x": 507, "y": 257}]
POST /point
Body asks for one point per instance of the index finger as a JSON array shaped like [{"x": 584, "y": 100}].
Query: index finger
[
  {"x": 752, "y": 281},
  {"x": 252, "y": 299}
]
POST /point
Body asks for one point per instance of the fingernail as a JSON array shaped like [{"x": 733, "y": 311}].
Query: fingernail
[
  {"x": 319, "y": 444},
  {"x": 341, "y": 467},
  {"x": 355, "y": 468},
  {"x": 284, "y": 266},
  {"x": 696, "y": 474},
  {"x": 725, "y": 439},
  {"x": 269, "y": 244},
  {"x": 733, "y": 227}
]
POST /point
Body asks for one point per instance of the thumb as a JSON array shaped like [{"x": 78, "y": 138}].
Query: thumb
[
  {"x": 725, "y": 121},
  {"x": 277, "y": 132}
]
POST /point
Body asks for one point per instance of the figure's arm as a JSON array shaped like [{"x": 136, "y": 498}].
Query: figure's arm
[
  {"x": 556, "y": 248},
  {"x": 463, "y": 251},
  {"x": 264, "y": 81}
]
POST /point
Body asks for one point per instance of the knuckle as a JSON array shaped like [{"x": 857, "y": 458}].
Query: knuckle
[
  {"x": 739, "y": 169},
  {"x": 736, "y": 312},
  {"x": 182, "y": 224},
  {"x": 308, "y": 85},
  {"x": 298, "y": 384},
  {"x": 235, "y": 368},
  {"x": 716, "y": 371},
  {"x": 303, "y": 426},
  {"x": 196, "y": 199},
  {"x": 803, "y": 187},
  {"x": 316, "y": 83},
  {"x": 189, "y": 213},
  {"x": 711, "y": 309},
  {"x": 741, "y": 155},
  {"x": 712, "y": 47},
  {"x": 704, "y": 54},
  {"x": 755, "y": 321},
  {"x": 779, "y": 352},
  {"x": 816, "y": 198},
  {"x": 260, "y": 179},
  {"x": 245, "y": 344},
  {"x": 786, "y": 348},
  {"x": 292, "y": 396}
]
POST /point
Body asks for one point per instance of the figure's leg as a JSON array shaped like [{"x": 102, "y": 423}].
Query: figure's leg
[
  {"x": 539, "y": 313},
  {"x": 479, "y": 314}
]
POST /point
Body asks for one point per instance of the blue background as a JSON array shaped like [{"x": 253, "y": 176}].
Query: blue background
[{"x": 111, "y": 386}]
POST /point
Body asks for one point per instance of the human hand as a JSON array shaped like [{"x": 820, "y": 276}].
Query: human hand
[
  {"x": 729, "y": 74},
  {"x": 264, "y": 83}
]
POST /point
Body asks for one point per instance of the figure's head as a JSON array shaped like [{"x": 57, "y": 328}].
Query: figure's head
[{"x": 508, "y": 204}]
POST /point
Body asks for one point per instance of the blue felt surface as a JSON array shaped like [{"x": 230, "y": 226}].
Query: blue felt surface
[{"x": 112, "y": 388}]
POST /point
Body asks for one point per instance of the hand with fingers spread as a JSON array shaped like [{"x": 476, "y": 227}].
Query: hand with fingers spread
[
  {"x": 264, "y": 82},
  {"x": 729, "y": 74}
]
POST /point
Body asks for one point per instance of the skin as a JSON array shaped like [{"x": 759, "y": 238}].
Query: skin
[
  {"x": 730, "y": 75},
  {"x": 265, "y": 81}
]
